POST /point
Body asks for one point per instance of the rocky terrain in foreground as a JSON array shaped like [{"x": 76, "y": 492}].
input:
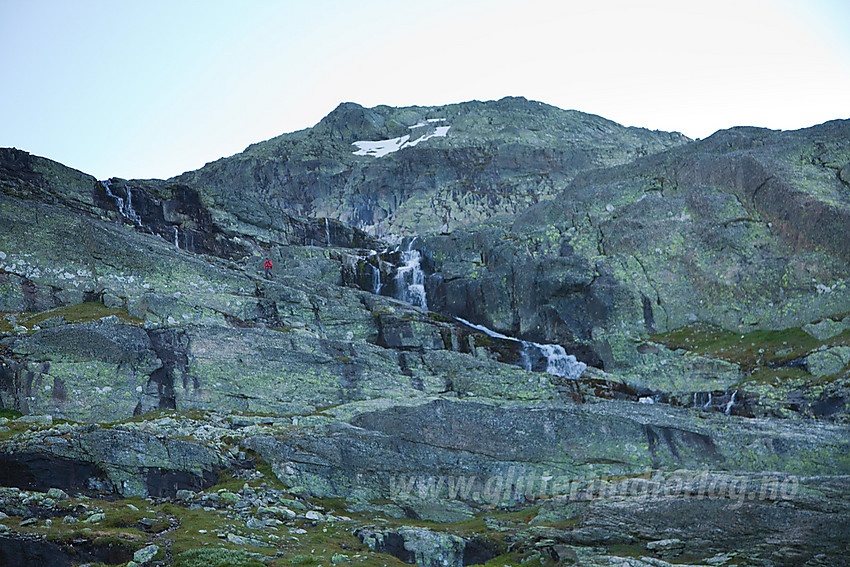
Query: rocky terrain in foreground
[{"x": 493, "y": 333}]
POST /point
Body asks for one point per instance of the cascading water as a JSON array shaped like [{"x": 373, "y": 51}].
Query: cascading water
[
  {"x": 410, "y": 287},
  {"x": 131, "y": 214},
  {"x": 558, "y": 362},
  {"x": 376, "y": 280},
  {"x": 731, "y": 403},
  {"x": 410, "y": 279},
  {"x": 118, "y": 200},
  {"x": 176, "y": 238},
  {"x": 327, "y": 232},
  {"x": 125, "y": 208}
]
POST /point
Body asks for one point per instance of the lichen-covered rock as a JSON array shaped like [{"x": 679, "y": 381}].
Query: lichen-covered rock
[
  {"x": 705, "y": 514},
  {"x": 505, "y": 453},
  {"x": 151, "y": 307},
  {"x": 828, "y": 361},
  {"x": 425, "y": 547},
  {"x": 106, "y": 461}
]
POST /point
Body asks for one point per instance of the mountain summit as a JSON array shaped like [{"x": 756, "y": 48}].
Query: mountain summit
[{"x": 472, "y": 161}]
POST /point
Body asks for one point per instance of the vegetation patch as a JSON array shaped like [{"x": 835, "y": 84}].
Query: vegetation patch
[
  {"x": 764, "y": 356},
  {"x": 79, "y": 313}
]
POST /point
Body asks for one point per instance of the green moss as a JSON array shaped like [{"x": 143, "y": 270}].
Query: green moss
[
  {"x": 79, "y": 313},
  {"x": 10, "y": 413},
  {"x": 439, "y": 318},
  {"x": 627, "y": 550},
  {"x": 757, "y": 352}
]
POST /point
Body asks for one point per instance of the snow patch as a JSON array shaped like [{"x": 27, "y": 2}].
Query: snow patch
[{"x": 380, "y": 148}]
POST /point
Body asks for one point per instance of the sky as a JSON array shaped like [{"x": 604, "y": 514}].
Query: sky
[{"x": 153, "y": 88}]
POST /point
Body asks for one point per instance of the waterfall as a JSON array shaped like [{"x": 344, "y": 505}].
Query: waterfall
[
  {"x": 376, "y": 280},
  {"x": 699, "y": 397},
  {"x": 410, "y": 279},
  {"x": 558, "y": 362},
  {"x": 176, "y": 238},
  {"x": 730, "y": 403},
  {"x": 124, "y": 207},
  {"x": 327, "y": 232},
  {"x": 131, "y": 214},
  {"x": 118, "y": 200}
]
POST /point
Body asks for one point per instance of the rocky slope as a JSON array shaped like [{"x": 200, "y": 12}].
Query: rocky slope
[
  {"x": 167, "y": 401},
  {"x": 471, "y": 161}
]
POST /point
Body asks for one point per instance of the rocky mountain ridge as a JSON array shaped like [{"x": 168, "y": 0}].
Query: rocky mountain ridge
[
  {"x": 493, "y": 158},
  {"x": 414, "y": 399}
]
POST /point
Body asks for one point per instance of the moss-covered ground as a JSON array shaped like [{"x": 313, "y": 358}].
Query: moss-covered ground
[
  {"x": 764, "y": 356},
  {"x": 79, "y": 313}
]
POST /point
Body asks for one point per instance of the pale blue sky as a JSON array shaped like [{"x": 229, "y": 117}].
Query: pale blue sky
[{"x": 154, "y": 88}]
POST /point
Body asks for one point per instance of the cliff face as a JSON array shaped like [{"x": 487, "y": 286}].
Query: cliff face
[
  {"x": 744, "y": 230},
  {"x": 427, "y": 381}
]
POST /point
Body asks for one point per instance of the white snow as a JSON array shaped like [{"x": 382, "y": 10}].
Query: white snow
[{"x": 380, "y": 148}]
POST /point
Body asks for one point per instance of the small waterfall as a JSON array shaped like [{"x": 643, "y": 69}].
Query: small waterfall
[
  {"x": 558, "y": 362},
  {"x": 124, "y": 207},
  {"x": 730, "y": 403},
  {"x": 327, "y": 232},
  {"x": 176, "y": 238},
  {"x": 118, "y": 200},
  {"x": 130, "y": 213},
  {"x": 524, "y": 359},
  {"x": 410, "y": 279},
  {"x": 699, "y": 397},
  {"x": 376, "y": 280}
]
